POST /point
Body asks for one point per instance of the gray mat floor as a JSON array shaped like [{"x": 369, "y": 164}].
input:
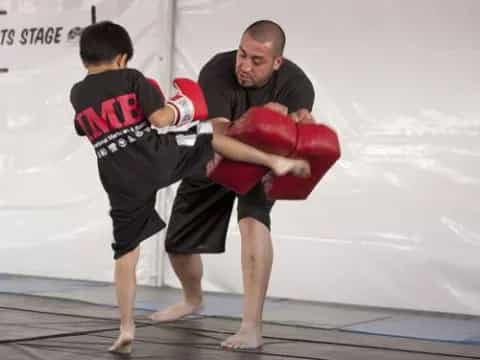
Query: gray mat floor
[
  {"x": 151, "y": 298},
  {"x": 336, "y": 331},
  {"x": 36, "y": 327}
]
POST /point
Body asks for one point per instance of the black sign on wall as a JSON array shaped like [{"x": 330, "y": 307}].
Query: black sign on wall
[
  {"x": 93, "y": 12},
  {"x": 2, "y": 69}
]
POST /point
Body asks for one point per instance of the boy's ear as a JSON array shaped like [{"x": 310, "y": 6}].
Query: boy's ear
[{"x": 122, "y": 60}]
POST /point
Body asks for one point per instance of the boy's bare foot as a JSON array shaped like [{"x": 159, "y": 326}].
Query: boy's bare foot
[
  {"x": 176, "y": 312},
  {"x": 245, "y": 338},
  {"x": 283, "y": 166},
  {"x": 123, "y": 344}
]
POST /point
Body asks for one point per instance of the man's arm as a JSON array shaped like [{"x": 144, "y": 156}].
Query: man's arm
[{"x": 299, "y": 95}]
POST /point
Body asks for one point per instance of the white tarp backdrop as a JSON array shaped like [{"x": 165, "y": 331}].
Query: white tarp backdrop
[{"x": 394, "y": 223}]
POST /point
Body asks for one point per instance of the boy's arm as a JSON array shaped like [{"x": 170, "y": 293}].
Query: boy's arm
[{"x": 162, "y": 117}]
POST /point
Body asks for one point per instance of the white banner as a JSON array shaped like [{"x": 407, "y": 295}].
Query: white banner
[
  {"x": 52, "y": 205},
  {"x": 42, "y": 40}
]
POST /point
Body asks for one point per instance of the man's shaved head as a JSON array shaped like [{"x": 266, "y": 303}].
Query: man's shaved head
[{"x": 268, "y": 31}]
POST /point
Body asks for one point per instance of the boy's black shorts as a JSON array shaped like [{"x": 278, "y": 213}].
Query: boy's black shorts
[{"x": 180, "y": 155}]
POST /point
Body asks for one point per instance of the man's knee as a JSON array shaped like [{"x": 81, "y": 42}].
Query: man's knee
[
  {"x": 256, "y": 206},
  {"x": 255, "y": 219},
  {"x": 253, "y": 230}
]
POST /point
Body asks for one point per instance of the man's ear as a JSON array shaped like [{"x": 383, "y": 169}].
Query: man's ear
[{"x": 277, "y": 62}]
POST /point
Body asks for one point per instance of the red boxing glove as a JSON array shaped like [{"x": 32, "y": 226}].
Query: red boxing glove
[
  {"x": 318, "y": 144},
  {"x": 189, "y": 103},
  {"x": 263, "y": 129}
]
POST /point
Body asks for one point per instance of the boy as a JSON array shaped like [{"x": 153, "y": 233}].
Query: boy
[{"x": 115, "y": 108}]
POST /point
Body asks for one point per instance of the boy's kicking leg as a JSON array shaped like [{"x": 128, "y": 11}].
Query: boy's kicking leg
[
  {"x": 125, "y": 282},
  {"x": 235, "y": 150}
]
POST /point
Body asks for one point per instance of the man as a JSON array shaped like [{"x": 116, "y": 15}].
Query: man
[{"x": 253, "y": 75}]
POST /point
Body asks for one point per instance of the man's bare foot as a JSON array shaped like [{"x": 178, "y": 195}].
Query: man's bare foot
[
  {"x": 244, "y": 339},
  {"x": 123, "y": 344},
  {"x": 282, "y": 166},
  {"x": 176, "y": 312}
]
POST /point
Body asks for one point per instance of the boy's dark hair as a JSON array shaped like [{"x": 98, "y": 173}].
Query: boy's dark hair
[
  {"x": 103, "y": 41},
  {"x": 268, "y": 30}
]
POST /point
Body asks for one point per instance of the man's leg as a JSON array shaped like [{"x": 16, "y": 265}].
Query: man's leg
[
  {"x": 125, "y": 283},
  {"x": 257, "y": 258},
  {"x": 189, "y": 270}
]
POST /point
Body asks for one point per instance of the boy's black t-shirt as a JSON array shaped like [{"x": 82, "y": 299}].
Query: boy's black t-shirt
[
  {"x": 134, "y": 161},
  {"x": 111, "y": 109}
]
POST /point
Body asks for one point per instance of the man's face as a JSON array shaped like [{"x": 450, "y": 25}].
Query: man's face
[{"x": 256, "y": 62}]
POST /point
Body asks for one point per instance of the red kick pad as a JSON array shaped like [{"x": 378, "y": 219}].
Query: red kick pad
[
  {"x": 319, "y": 145},
  {"x": 263, "y": 129}
]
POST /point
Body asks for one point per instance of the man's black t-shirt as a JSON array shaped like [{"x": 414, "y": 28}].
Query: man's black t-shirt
[
  {"x": 201, "y": 211},
  {"x": 225, "y": 97},
  {"x": 134, "y": 161}
]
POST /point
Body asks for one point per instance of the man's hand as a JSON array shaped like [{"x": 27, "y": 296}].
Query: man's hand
[{"x": 302, "y": 116}]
